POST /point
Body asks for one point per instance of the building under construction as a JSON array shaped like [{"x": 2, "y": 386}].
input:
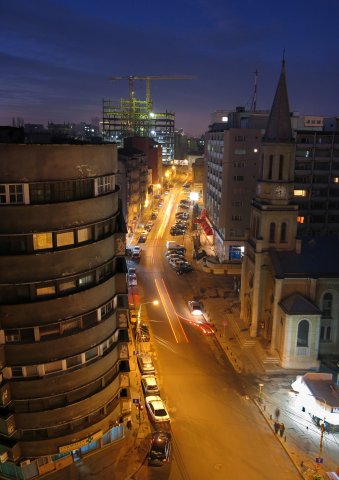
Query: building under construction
[{"x": 130, "y": 117}]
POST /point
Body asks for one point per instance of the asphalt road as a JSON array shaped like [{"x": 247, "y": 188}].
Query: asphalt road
[{"x": 217, "y": 430}]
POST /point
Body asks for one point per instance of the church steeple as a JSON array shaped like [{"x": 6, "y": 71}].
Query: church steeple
[{"x": 279, "y": 122}]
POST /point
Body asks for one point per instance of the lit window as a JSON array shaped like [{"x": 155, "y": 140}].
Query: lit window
[
  {"x": 66, "y": 238},
  {"x": 224, "y": 119},
  {"x": 86, "y": 280},
  {"x": 84, "y": 234},
  {"x": 336, "y": 179},
  {"x": 45, "y": 290},
  {"x": 300, "y": 219},
  {"x": 41, "y": 241},
  {"x": 300, "y": 193},
  {"x": 240, "y": 151},
  {"x": 64, "y": 286}
]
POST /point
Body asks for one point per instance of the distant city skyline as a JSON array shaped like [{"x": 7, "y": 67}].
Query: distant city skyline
[{"x": 56, "y": 57}]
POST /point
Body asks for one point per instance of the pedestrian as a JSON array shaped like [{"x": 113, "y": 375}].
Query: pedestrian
[
  {"x": 276, "y": 427},
  {"x": 281, "y": 429}
]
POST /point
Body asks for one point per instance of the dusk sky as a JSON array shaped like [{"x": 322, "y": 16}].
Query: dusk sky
[{"x": 56, "y": 56}]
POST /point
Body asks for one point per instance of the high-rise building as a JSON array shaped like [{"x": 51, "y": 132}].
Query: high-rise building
[
  {"x": 231, "y": 170},
  {"x": 64, "y": 352}
]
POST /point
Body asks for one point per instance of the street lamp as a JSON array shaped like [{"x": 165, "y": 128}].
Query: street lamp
[{"x": 154, "y": 302}]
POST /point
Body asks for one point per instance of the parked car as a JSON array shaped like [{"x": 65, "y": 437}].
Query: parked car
[
  {"x": 142, "y": 238},
  {"x": 156, "y": 409},
  {"x": 176, "y": 262},
  {"x": 160, "y": 448},
  {"x": 143, "y": 334},
  {"x": 184, "y": 268},
  {"x": 149, "y": 385},
  {"x": 195, "y": 308},
  {"x": 154, "y": 216},
  {"x": 145, "y": 363}
]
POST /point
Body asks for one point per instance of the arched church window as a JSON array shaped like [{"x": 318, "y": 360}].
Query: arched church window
[
  {"x": 283, "y": 233},
  {"x": 281, "y": 167},
  {"x": 270, "y": 167},
  {"x": 272, "y": 232},
  {"x": 327, "y": 305},
  {"x": 303, "y": 331}
]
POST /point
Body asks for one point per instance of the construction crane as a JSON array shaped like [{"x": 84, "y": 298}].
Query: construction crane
[{"x": 148, "y": 78}]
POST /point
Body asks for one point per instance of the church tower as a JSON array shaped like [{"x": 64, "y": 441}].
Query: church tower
[{"x": 273, "y": 217}]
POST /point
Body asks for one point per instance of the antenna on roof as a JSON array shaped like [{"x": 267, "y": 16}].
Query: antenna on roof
[
  {"x": 255, "y": 93},
  {"x": 283, "y": 57}
]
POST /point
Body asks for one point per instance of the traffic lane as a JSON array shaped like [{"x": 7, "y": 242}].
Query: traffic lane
[{"x": 216, "y": 431}]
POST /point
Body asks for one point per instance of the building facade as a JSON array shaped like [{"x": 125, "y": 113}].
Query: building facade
[
  {"x": 316, "y": 182},
  {"x": 133, "y": 182},
  {"x": 63, "y": 305},
  {"x": 231, "y": 170}
]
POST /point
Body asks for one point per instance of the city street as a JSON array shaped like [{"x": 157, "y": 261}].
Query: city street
[{"x": 217, "y": 430}]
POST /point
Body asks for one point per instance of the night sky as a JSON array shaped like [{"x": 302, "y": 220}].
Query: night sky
[{"x": 56, "y": 55}]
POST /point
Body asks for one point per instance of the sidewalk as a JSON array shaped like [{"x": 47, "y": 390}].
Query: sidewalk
[{"x": 252, "y": 358}]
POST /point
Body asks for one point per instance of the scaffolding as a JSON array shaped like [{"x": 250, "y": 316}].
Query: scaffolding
[{"x": 134, "y": 117}]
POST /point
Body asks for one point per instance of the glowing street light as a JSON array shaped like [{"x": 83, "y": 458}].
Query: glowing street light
[
  {"x": 154, "y": 302},
  {"x": 260, "y": 392}
]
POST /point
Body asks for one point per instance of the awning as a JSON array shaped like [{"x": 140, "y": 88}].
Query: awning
[{"x": 207, "y": 229}]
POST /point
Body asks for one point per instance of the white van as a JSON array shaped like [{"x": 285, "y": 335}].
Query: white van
[{"x": 149, "y": 385}]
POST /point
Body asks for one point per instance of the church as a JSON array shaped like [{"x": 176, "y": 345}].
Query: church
[{"x": 289, "y": 285}]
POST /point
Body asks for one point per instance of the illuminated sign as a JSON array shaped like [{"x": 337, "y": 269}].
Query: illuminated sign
[{"x": 81, "y": 443}]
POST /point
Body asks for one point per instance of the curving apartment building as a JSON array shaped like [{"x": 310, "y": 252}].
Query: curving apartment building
[{"x": 64, "y": 354}]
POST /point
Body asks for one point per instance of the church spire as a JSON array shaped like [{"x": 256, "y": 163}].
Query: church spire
[{"x": 279, "y": 122}]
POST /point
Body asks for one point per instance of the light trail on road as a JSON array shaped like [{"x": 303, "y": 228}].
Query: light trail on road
[{"x": 173, "y": 319}]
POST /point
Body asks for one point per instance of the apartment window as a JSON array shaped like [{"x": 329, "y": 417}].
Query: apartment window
[
  {"x": 236, "y": 218},
  {"x": 92, "y": 353},
  {"x": 52, "y": 329},
  {"x": 299, "y": 193},
  {"x": 105, "y": 309},
  {"x": 105, "y": 184},
  {"x": 64, "y": 239},
  {"x": 41, "y": 291},
  {"x": 68, "y": 285},
  {"x": 42, "y": 241},
  {"x": 16, "y": 371},
  {"x": 53, "y": 367},
  {"x": 240, "y": 151},
  {"x": 238, "y": 178},
  {"x": 12, "y": 193},
  {"x": 300, "y": 219},
  {"x": 32, "y": 371},
  {"x": 73, "y": 361},
  {"x": 283, "y": 233},
  {"x": 237, "y": 203},
  {"x": 40, "y": 192},
  {"x": 63, "y": 191},
  {"x": 84, "y": 234},
  {"x": 70, "y": 325},
  {"x": 86, "y": 280}
]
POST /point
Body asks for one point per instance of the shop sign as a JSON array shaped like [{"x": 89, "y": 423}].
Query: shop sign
[{"x": 81, "y": 443}]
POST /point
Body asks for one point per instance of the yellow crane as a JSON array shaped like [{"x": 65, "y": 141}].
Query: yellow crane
[{"x": 148, "y": 78}]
